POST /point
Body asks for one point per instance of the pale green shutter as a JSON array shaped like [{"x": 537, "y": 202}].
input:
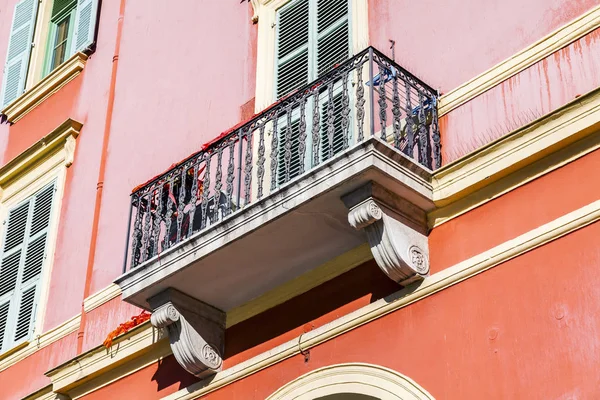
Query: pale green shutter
[
  {"x": 333, "y": 34},
  {"x": 14, "y": 241},
  {"x": 292, "y": 49},
  {"x": 19, "y": 50},
  {"x": 85, "y": 25},
  {"x": 23, "y": 258}
]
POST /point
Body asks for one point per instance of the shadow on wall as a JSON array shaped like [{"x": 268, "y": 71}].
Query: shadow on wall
[
  {"x": 170, "y": 373},
  {"x": 354, "y": 289}
]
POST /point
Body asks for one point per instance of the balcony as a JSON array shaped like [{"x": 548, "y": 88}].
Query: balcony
[{"x": 343, "y": 161}]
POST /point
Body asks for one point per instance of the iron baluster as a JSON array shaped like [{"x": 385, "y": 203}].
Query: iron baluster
[
  {"x": 345, "y": 112},
  {"x": 302, "y": 135},
  {"x": 261, "y": 160},
  {"x": 193, "y": 199},
  {"x": 248, "y": 167},
  {"x": 396, "y": 112},
  {"x": 410, "y": 128},
  {"x": 137, "y": 233},
  {"x": 181, "y": 200},
  {"x": 168, "y": 215},
  {"x": 219, "y": 173},
  {"x": 157, "y": 220},
  {"x": 239, "y": 174},
  {"x": 205, "y": 191},
  {"x": 437, "y": 146},
  {"x": 287, "y": 146},
  {"x": 424, "y": 149},
  {"x": 230, "y": 179},
  {"x": 146, "y": 231},
  {"x": 330, "y": 120},
  {"x": 382, "y": 102},
  {"x": 316, "y": 137},
  {"x": 360, "y": 101},
  {"x": 371, "y": 93},
  {"x": 274, "y": 153}
]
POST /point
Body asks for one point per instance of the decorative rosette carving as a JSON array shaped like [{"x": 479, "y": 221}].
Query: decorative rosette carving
[
  {"x": 195, "y": 330},
  {"x": 400, "y": 251}
]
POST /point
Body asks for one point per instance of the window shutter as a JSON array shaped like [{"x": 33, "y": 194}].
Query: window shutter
[
  {"x": 19, "y": 49},
  {"x": 61, "y": 5},
  {"x": 85, "y": 25},
  {"x": 292, "y": 47},
  {"x": 23, "y": 258},
  {"x": 333, "y": 35}
]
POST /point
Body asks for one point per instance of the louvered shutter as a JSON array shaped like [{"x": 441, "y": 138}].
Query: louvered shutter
[
  {"x": 60, "y": 6},
  {"x": 85, "y": 25},
  {"x": 23, "y": 256},
  {"x": 333, "y": 35},
  {"x": 292, "y": 47},
  {"x": 19, "y": 50}
]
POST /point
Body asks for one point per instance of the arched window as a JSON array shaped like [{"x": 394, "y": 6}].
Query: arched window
[{"x": 354, "y": 381}]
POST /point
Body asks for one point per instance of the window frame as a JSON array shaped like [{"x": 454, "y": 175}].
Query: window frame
[
  {"x": 23, "y": 177},
  {"x": 51, "y": 38},
  {"x": 266, "y": 58}
]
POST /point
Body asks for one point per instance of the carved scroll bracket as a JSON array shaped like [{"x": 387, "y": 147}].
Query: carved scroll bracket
[
  {"x": 196, "y": 331},
  {"x": 399, "y": 249}
]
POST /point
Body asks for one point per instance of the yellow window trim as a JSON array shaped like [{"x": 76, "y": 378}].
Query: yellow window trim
[
  {"x": 44, "y": 161},
  {"x": 551, "y": 43},
  {"x": 45, "y": 88}
]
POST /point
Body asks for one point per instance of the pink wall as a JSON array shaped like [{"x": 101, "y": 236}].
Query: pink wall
[
  {"x": 446, "y": 43},
  {"x": 537, "y": 91}
]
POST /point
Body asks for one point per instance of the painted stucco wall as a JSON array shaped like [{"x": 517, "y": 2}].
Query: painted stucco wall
[{"x": 185, "y": 76}]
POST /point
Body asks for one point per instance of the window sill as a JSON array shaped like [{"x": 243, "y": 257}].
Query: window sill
[
  {"x": 45, "y": 88},
  {"x": 13, "y": 350}
]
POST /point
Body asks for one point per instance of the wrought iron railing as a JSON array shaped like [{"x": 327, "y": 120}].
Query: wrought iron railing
[{"x": 368, "y": 95}]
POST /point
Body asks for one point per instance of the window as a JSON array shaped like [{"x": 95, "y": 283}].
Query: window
[
  {"x": 61, "y": 28},
  {"x": 312, "y": 37},
  {"x": 60, "y": 34},
  {"x": 23, "y": 257}
]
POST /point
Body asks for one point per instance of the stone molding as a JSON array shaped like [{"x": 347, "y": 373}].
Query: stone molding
[
  {"x": 400, "y": 251},
  {"x": 196, "y": 331}
]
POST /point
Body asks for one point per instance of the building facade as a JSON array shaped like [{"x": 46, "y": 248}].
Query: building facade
[{"x": 299, "y": 199}]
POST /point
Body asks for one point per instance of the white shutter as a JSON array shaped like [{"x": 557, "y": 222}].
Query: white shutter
[
  {"x": 19, "y": 50},
  {"x": 292, "y": 47},
  {"x": 23, "y": 257},
  {"x": 85, "y": 25},
  {"x": 333, "y": 34}
]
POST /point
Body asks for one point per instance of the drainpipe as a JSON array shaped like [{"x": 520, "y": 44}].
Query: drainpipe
[{"x": 101, "y": 173}]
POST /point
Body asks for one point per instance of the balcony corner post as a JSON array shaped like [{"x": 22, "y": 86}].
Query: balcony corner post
[
  {"x": 400, "y": 250},
  {"x": 196, "y": 331}
]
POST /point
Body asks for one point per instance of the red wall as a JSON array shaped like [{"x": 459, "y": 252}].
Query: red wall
[{"x": 524, "y": 329}]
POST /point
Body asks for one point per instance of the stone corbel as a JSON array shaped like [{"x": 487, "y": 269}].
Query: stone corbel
[
  {"x": 196, "y": 331},
  {"x": 255, "y": 6},
  {"x": 394, "y": 230}
]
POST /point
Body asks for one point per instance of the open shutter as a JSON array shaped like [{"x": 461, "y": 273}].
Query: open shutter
[
  {"x": 14, "y": 240},
  {"x": 34, "y": 261},
  {"x": 292, "y": 47},
  {"x": 85, "y": 25},
  {"x": 333, "y": 34},
  {"x": 19, "y": 50},
  {"x": 23, "y": 256}
]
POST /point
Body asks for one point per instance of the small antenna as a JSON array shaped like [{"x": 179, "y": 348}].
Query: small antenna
[{"x": 393, "y": 47}]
